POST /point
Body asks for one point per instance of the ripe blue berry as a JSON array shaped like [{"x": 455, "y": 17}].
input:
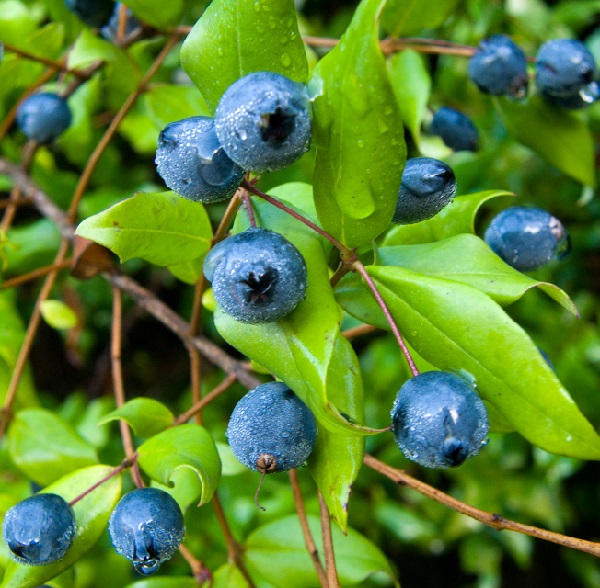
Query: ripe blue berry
[
  {"x": 438, "y": 421},
  {"x": 263, "y": 121},
  {"x": 43, "y": 117},
  {"x": 39, "y": 530},
  {"x": 499, "y": 67},
  {"x": 456, "y": 129},
  {"x": 94, "y": 13},
  {"x": 428, "y": 185},
  {"x": 527, "y": 238},
  {"x": 257, "y": 276},
  {"x": 565, "y": 73},
  {"x": 271, "y": 429},
  {"x": 146, "y": 527},
  {"x": 192, "y": 162}
]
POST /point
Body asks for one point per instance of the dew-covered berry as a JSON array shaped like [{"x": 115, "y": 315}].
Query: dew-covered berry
[
  {"x": 94, "y": 13},
  {"x": 527, "y": 238},
  {"x": 43, "y": 117},
  {"x": 565, "y": 73},
  {"x": 257, "y": 276},
  {"x": 438, "y": 421},
  {"x": 192, "y": 162},
  {"x": 40, "y": 529},
  {"x": 146, "y": 527},
  {"x": 456, "y": 129},
  {"x": 428, "y": 185},
  {"x": 271, "y": 429},
  {"x": 499, "y": 67},
  {"x": 263, "y": 121}
]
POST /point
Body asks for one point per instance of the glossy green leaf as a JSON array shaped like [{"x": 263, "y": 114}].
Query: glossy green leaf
[
  {"x": 456, "y": 327},
  {"x": 277, "y": 553},
  {"x": 157, "y": 13},
  {"x": 160, "y": 227},
  {"x": 229, "y": 576},
  {"x": 57, "y": 314},
  {"x": 405, "y": 17},
  {"x": 411, "y": 83},
  {"x": 165, "y": 103},
  {"x": 458, "y": 217},
  {"x": 237, "y": 37},
  {"x": 467, "y": 259},
  {"x": 45, "y": 448},
  {"x": 188, "y": 271},
  {"x": 165, "y": 582},
  {"x": 557, "y": 135},
  {"x": 185, "y": 446},
  {"x": 91, "y": 514},
  {"x": 358, "y": 133},
  {"x": 306, "y": 350},
  {"x": 146, "y": 416}
]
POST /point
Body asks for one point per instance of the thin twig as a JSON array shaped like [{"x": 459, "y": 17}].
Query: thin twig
[
  {"x": 330, "y": 567},
  {"x": 195, "y": 356},
  {"x": 201, "y": 573},
  {"x": 59, "y": 65},
  {"x": 230, "y": 212},
  {"x": 249, "y": 209},
  {"x": 117, "y": 377},
  {"x": 357, "y": 331},
  {"x": 40, "y": 272},
  {"x": 208, "y": 398},
  {"x": 360, "y": 268},
  {"x": 308, "y": 538},
  {"x": 493, "y": 520}
]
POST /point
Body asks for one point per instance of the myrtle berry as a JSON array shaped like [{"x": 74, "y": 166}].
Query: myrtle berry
[
  {"x": 192, "y": 162},
  {"x": 40, "y": 529},
  {"x": 146, "y": 527},
  {"x": 428, "y": 185},
  {"x": 263, "y": 121},
  {"x": 271, "y": 429},
  {"x": 499, "y": 67},
  {"x": 438, "y": 421},
  {"x": 44, "y": 117},
  {"x": 565, "y": 73},
  {"x": 94, "y": 13},
  {"x": 456, "y": 129},
  {"x": 257, "y": 276},
  {"x": 527, "y": 238}
]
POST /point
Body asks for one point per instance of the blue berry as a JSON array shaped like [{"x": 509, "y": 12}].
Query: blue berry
[
  {"x": 438, "y": 420},
  {"x": 499, "y": 67},
  {"x": 428, "y": 185},
  {"x": 527, "y": 238},
  {"x": 192, "y": 162},
  {"x": 456, "y": 129},
  {"x": 263, "y": 121},
  {"x": 146, "y": 527},
  {"x": 257, "y": 276},
  {"x": 44, "y": 117},
  {"x": 565, "y": 73},
  {"x": 111, "y": 29},
  {"x": 39, "y": 530},
  {"x": 271, "y": 429},
  {"x": 94, "y": 13}
]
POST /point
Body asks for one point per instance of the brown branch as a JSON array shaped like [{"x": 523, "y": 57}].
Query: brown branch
[
  {"x": 200, "y": 404},
  {"x": 201, "y": 573},
  {"x": 55, "y": 65},
  {"x": 195, "y": 357},
  {"x": 40, "y": 272},
  {"x": 330, "y": 567},
  {"x": 493, "y": 520},
  {"x": 311, "y": 547},
  {"x": 357, "y": 331}
]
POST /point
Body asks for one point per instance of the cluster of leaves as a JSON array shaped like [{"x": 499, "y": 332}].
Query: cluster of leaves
[{"x": 453, "y": 300}]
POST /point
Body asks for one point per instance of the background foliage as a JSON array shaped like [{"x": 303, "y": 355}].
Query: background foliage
[{"x": 544, "y": 156}]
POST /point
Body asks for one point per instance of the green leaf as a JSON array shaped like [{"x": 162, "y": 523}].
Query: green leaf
[
  {"x": 58, "y": 315},
  {"x": 160, "y": 227},
  {"x": 189, "y": 271},
  {"x": 45, "y": 448},
  {"x": 557, "y": 135},
  {"x": 91, "y": 514},
  {"x": 307, "y": 351},
  {"x": 458, "y": 217},
  {"x": 157, "y": 13},
  {"x": 404, "y": 17},
  {"x": 165, "y": 582},
  {"x": 411, "y": 83},
  {"x": 277, "y": 553},
  {"x": 358, "y": 132},
  {"x": 147, "y": 417},
  {"x": 185, "y": 446},
  {"x": 165, "y": 103},
  {"x": 456, "y": 327},
  {"x": 237, "y": 37},
  {"x": 467, "y": 259},
  {"x": 229, "y": 576}
]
